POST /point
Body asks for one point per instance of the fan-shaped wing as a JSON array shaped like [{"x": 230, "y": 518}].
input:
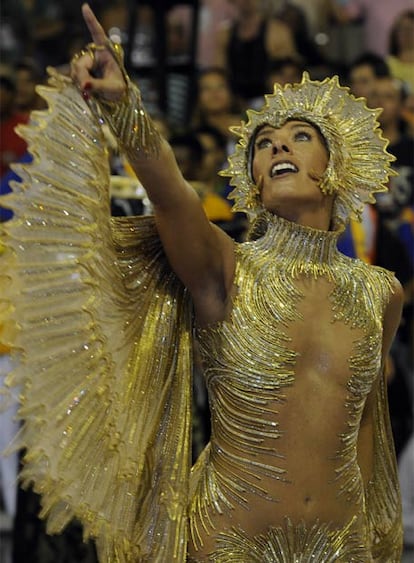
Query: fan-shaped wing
[{"x": 102, "y": 330}]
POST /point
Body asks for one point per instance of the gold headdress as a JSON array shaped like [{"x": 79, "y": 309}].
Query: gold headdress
[{"x": 359, "y": 163}]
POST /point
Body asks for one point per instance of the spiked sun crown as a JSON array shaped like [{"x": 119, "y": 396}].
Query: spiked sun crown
[{"x": 359, "y": 164}]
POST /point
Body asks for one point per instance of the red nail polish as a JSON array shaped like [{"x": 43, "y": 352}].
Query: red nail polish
[
  {"x": 85, "y": 95},
  {"x": 88, "y": 86}
]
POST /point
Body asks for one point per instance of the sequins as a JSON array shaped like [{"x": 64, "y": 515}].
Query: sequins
[
  {"x": 294, "y": 543},
  {"x": 251, "y": 369}
]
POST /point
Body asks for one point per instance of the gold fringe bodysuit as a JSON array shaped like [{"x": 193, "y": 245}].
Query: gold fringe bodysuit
[
  {"x": 287, "y": 381},
  {"x": 103, "y": 330}
]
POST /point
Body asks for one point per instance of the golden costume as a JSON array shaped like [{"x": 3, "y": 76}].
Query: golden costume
[
  {"x": 104, "y": 330},
  {"x": 254, "y": 381}
]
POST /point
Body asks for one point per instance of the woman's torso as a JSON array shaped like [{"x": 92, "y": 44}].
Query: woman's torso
[{"x": 288, "y": 375}]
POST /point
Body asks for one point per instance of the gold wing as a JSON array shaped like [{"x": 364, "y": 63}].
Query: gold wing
[{"x": 101, "y": 332}]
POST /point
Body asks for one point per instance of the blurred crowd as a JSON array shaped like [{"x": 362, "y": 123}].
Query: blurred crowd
[{"x": 242, "y": 47}]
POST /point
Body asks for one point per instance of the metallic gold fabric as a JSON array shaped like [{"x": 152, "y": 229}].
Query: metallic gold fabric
[
  {"x": 251, "y": 372},
  {"x": 104, "y": 331},
  {"x": 293, "y": 544},
  {"x": 132, "y": 126}
]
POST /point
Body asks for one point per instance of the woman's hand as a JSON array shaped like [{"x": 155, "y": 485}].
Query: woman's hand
[{"x": 95, "y": 69}]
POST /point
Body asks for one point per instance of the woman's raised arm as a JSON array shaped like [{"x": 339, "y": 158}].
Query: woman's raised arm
[{"x": 200, "y": 254}]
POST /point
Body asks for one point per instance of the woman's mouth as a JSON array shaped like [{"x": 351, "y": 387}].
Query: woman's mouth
[{"x": 284, "y": 167}]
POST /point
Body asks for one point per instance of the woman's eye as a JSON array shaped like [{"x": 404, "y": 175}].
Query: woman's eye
[
  {"x": 303, "y": 136},
  {"x": 264, "y": 143}
]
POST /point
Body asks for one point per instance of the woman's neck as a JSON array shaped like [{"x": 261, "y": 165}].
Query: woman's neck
[{"x": 301, "y": 249}]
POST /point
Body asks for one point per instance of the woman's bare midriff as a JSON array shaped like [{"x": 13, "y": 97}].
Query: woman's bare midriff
[{"x": 312, "y": 418}]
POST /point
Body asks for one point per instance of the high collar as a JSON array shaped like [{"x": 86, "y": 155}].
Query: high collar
[{"x": 301, "y": 249}]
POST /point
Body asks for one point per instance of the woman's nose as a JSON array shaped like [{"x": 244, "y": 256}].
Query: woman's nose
[{"x": 280, "y": 146}]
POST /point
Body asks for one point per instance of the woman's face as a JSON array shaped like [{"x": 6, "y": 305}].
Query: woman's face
[
  {"x": 288, "y": 163},
  {"x": 214, "y": 93}
]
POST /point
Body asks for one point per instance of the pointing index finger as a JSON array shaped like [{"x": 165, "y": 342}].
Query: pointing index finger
[{"x": 96, "y": 30}]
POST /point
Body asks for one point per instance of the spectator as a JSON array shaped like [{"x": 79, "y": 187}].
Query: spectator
[
  {"x": 245, "y": 48},
  {"x": 317, "y": 13},
  {"x": 364, "y": 71},
  {"x": 179, "y": 33},
  {"x": 215, "y": 104},
  {"x": 394, "y": 205},
  {"x": 401, "y": 57},
  {"x": 295, "y": 17},
  {"x": 377, "y": 17},
  {"x": 213, "y": 15}
]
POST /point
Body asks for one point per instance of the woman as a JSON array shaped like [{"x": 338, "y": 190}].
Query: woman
[
  {"x": 215, "y": 104},
  {"x": 293, "y": 335}
]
